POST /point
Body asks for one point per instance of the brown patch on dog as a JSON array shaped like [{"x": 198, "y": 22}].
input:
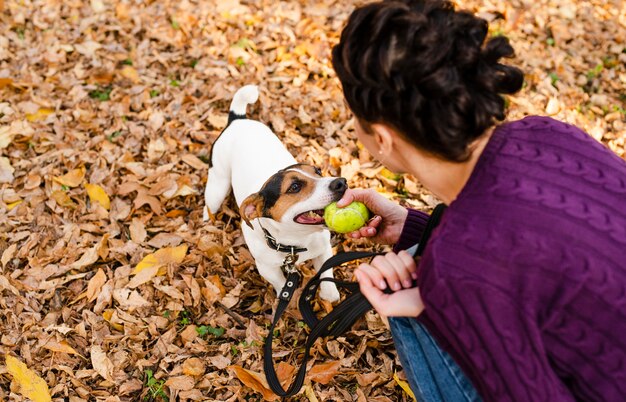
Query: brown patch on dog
[
  {"x": 276, "y": 197},
  {"x": 251, "y": 208},
  {"x": 293, "y": 179}
]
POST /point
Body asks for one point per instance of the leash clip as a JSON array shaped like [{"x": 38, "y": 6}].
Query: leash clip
[{"x": 289, "y": 263}]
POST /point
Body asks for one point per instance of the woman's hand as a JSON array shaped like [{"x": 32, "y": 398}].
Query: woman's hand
[
  {"x": 389, "y": 217},
  {"x": 396, "y": 271}
]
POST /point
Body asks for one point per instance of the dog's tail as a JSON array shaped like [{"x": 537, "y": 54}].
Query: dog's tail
[{"x": 243, "y": 97}]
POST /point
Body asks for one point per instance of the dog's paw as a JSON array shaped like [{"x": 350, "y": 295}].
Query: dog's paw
[
  {"x": 205, "y": 214},
  {"x": 329, "y": 292}
]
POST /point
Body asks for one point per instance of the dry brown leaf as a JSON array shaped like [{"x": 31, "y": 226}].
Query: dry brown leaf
[
  {"x": 60, "y": 347},
  {"x": 180, "y": 383},
  {"x": 325, "y": 372},
  {"x": 6, "y": 285},
  {"x": 6, "y": 170},
  {"x": 101, "y": 363},
  {"x": 8, "y": 254},
  {"x": 89, "y": 257},
  {"x": 137, "y": 230},
  {"x": 62, "y": 199},
  {"x": 256, "y": 381},
  {"x": 95, "y": 285},
  {"x": 193, "y": 367},
  {"x": 73, "y": 178}
]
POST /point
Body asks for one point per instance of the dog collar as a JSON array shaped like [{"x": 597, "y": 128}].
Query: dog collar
[{"x": 272, "y": 243}]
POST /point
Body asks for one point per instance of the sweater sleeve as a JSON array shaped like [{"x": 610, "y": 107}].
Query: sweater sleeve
[
  {"x": 477, "y": 322},
  {"x": 412, "y": 229}
]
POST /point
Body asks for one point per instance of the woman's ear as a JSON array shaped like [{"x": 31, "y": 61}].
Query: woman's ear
[
  {"x": 251, "y": 208},
  {"x": 385, "y": 138}
]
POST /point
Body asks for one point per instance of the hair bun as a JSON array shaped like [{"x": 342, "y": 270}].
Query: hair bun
[{"x": 424, "y": 68}]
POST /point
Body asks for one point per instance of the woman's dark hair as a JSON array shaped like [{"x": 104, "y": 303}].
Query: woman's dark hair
[{"x": 424, "y": 69}]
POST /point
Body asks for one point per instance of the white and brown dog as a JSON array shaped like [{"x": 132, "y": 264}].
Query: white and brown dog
[{"x": 281, "y": 201}]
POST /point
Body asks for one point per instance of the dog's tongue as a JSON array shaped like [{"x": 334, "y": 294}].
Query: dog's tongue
[{"x": 310, "y": 218}]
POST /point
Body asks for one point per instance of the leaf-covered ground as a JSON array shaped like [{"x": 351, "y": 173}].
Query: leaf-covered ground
[{"x": 111, "y": 286}]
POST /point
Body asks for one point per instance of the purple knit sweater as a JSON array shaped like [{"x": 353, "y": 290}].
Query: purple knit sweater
[{"x": 524, "y": 280}]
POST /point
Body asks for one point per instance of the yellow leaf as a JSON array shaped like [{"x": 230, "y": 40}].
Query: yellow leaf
[
  {"x": 164, "y": 256},
  {"x": 405, "y": 386},
  {"x": 30, "y": 384},
  {"x": 72, "y": 178},
  {"x": 308, "y": 391},
  {"x": 13, "y": 204},
  {"x": 97, "y": 194},
  {"x": 60, "y": 347},
  {"x": 40, "y": 114},
  {"x": 62, "y": 198},
  {"x": 108, "y": 316},
  {"x": 130, "y": 73}
]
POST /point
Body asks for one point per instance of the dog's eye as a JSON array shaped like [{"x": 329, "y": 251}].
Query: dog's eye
[
  {"x": 295, "y": 187},
  {"x": 318, "y": 171}
]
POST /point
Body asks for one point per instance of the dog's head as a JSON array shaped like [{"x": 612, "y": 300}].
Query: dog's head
[{"x": 295, "y": 195}]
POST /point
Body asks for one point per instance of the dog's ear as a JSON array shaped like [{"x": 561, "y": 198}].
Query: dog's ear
[{"x": 251, "y": 208}]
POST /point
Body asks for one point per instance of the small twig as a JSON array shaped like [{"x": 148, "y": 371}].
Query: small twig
[{"x": 232, "y": 314}]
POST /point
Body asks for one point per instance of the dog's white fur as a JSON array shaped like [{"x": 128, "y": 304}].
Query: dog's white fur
[{"x": 244, "y": 157}]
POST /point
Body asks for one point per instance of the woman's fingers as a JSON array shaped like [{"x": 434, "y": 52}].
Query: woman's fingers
[
  {"x": 369, "y": 230},
  {"x": 389, "y": 270},
  {"x": 405, "y": 303},
  {"x": 373, "y": 275},
  {"x": 401, "y": 268},
  {"x": 347, "y": 198},
  {"x": 409, "y": 262}
]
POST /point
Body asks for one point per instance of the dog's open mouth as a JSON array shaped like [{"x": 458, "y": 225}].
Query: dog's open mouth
[{"x": 311, "y": 217}]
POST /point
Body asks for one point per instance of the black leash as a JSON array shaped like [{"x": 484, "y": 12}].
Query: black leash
[{"x": 335, "y": 323}]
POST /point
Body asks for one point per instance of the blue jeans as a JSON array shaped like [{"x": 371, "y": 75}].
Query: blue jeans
[{"x": 431, "y": 372}]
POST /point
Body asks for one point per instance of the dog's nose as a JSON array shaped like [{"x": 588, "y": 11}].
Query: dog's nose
[{"x": 338, "y": 185}]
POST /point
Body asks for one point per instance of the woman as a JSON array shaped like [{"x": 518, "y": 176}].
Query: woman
[{"x": 523, "y": 283}]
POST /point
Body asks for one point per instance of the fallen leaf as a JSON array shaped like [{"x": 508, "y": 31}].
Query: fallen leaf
[
  {"x": 101, "y": 363},
  {"x": 193, "y": 367},
  {"x": 137, "y": 230},
  {"x": 62, "y": 199},
  {"x": 60, "y": 347},
  {"x": 145, "y": 275},
  {"x": 40, "y": 114},
  {"x": 6, "y": 170},
  {"x": 325, "y": 372},
  {"x": 404, "y": 385},
  {"x": 108, "y": 315},
  {"x": 8, "y": 254},
  {"x": 89, "y": 257},
  {"x": 73, "y": 178},
  {"x": 256, "y": 381},
  {"x": 99, "y": 195},
  {"x": 310, "y": 394},
  {"x": 30, "y": 385},
  {"x": 129, "y": 299},
  {"x": 95, "y": 285},
  {"x": 5, "y": 81},
  {"x": 164, "y": 256},
  {"x": 180, "y": 383},
  {"x": 12, "y": 205},
  {"x": 6, "y": 285},
  {"x": 130, "y": 73}
]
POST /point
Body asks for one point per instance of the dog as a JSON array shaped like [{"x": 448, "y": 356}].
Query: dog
[{"x": 280, "y": 200}]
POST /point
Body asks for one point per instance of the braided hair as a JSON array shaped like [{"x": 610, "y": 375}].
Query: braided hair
[{"x": 425, "y": 69}]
